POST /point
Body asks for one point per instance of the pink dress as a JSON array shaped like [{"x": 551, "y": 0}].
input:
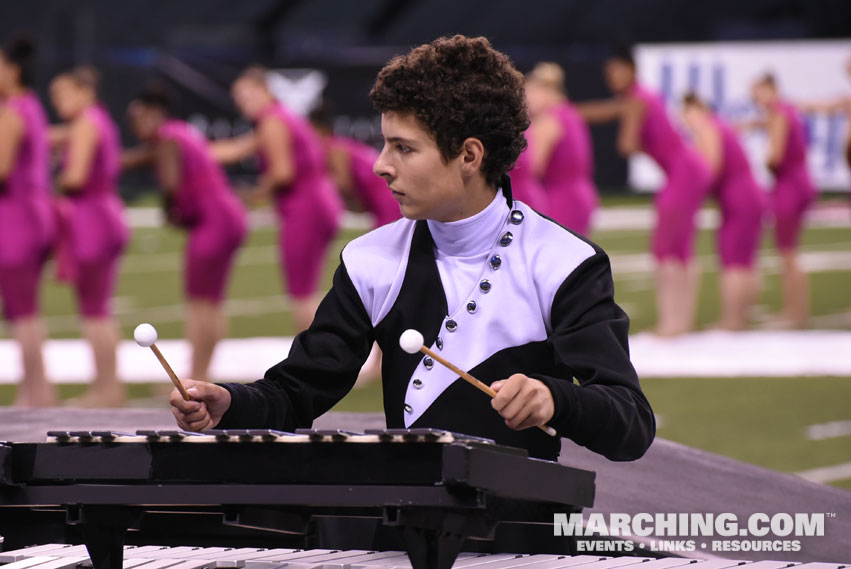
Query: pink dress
[
  {"x": 567, "y": 179},
  {"x": 26, "y": 214},
  {"x": 205, "y": 205},
  {"x": 91, "y": 229},
  {"x": 370, "y": 189},
  {"x": 793, "y": 190},
  {"x": 688, "y": 180},
  {"x": 308, "y": 209},
  {"x": 524, "y": 186},
  {"x": 742, "y": 202}
]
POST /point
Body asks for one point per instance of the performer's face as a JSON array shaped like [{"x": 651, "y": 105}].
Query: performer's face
[
  {"x": 68, "y": 98},
  {"x": 763, "y": 94},
  {"x": 144, "y": 121},
  {"x": 619, "y": 75},
  {"x": 426, "y": 185}
]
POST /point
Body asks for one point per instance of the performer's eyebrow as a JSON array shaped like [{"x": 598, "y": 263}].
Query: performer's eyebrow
[{"x": 394, "y": 139}]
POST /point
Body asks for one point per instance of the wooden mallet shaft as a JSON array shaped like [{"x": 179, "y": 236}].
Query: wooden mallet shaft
[
  {"x": 475, "y": 382},
  {"x": 177, "y": 383}
]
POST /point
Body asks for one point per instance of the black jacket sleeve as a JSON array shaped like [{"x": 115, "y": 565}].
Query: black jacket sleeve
[
  {"x": 321, "y": 368},
  {"x": 606, "y": 411}
]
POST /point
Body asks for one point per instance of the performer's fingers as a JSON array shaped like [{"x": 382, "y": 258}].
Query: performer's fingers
[
  {"x": 508, "y": 389},
  {"x": 535, "y": 419},
  {"x": 201, "y": 424},
  {"x": 177, "y": 402},
  {"x": 524, "y": 415},
  {"x": 191, "y": 416}
]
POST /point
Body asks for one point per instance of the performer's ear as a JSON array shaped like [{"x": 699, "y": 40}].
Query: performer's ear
[{"x": 472, "y": 154}]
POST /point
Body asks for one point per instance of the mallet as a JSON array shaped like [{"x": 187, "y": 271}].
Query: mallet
[
  {"x": 146, "y": 336},
  {"x": 412, "y": 342}
]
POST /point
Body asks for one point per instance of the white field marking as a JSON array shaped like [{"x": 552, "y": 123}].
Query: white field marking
[
  {"x": 755, "y": 353},
  {"x": 129, "y": 314},
  {"x": 637, "y": 266},
  {"x": 621, "y": 218},
  {"x": 746, "y": 354},
  {"x": 152, "y": 217},
  {"x": 829, "y": 430},
  {"x": 173, "y": 261},
  {"x": 827, "y": 474},
  {"x": 625, "y": 266}
]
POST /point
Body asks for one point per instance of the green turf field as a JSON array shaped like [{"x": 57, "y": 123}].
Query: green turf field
[{"x": 759, "y": 420}]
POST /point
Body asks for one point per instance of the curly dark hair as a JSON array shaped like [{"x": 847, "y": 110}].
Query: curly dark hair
[{"x": 458, "y": 88}]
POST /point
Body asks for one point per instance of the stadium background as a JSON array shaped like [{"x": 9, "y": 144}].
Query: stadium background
[{"x": 791, "y": 423}]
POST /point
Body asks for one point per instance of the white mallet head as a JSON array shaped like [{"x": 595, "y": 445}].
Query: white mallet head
[
  {"x": 411, "y": 341},
  {"x": 145, "y": 335}
]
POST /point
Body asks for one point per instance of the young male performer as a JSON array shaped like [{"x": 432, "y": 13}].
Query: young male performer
[{"x": 522, "y": 303}]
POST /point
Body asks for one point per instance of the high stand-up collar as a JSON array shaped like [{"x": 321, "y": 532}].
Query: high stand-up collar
[{"x": 474, "y": 235}]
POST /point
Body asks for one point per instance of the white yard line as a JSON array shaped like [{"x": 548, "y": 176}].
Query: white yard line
[
  {"x": 704, "y": 354},
  {"x": 605, "y": 219},
  {"x": 827, "y": 474},
  {"x": 829, "y": 430}
]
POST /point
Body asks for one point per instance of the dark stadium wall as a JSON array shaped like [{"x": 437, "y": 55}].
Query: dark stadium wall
[{"x": 196, "y": 47}]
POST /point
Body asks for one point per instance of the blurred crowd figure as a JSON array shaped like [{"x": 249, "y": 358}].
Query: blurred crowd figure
[{"x": 308, "y": 172}]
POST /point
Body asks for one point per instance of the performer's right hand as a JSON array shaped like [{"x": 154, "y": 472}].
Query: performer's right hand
[{"x": 205, "y": 409}]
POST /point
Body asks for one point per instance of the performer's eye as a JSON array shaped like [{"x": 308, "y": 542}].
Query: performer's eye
[{"x": 403, "y": 149}]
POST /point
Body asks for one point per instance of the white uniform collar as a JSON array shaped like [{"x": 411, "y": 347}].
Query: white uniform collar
[{"x": 473, "y": 235}]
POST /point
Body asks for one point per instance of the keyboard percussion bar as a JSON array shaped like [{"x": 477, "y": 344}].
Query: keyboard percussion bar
[
  {"x": 718, "y": 564},
  {"x": 164, "y": 553},
  {"x": 771, "y": 564},
  {"x": 29, "y": 562},
  {"x": 612, "y": 562},
  {"x": 18, "y": 554},
  {"x": 668, "y": 562}
]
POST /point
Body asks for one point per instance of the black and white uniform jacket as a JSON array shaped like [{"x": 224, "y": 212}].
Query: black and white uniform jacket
[{"x": 506, "y": 291}]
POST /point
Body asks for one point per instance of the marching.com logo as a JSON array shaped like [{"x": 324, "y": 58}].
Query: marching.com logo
[{"x": 682, "y": 531}]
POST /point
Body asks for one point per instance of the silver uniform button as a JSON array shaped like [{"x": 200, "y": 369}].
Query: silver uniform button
[
  {"x": 495, "y": 262},
  {"x": 485, "y": 286},
  {"x": 418, "y": 384},
  {"x": 439, "y": 343},
  {"x": 408, "y": 408},
  {"x": 451, "y": 325},
  {"x": 506, "y": 239},
  {"x": 472, "y": 306},
  {"x": 428, "y": 363},
  {"x": 516, "y": 217}
]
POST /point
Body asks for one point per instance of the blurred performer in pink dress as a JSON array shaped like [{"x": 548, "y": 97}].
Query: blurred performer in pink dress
[
  {"x": 792, "y": 195},
  {"x": 294, "y": 176},
  {"x": 349, "y": 163},
  {"x": 91, "y": 229},
  {"x": 198, "y": 198},
  {"x": 26, "y": 214},
  {"x": 646, "y": 127},
  {"x": 560, "y": 147},
  {"x": 525, "y": 186},
  {"x": 742, "y": 204}
]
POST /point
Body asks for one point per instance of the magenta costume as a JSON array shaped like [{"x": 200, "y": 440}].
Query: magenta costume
[
  {"x": 26, "y": 215},
  {"x": 688, "y": 180},
  {"x": 567, "y": 179},
  {"x": 308, "y": 209},
  {"x": 525, "y": 187},
  {"x": 742, "y": 202},
  {"x": 205, "y": 205},
  {"x": 91, "y": 229},
  {"x": 793, "y": 190},
  {"x": 371, "y": 189}
]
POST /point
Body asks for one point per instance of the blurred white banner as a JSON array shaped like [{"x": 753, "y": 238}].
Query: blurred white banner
[{"x": 722, "y": 74}]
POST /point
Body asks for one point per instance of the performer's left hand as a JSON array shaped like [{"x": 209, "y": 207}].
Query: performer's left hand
[{"x": 523, "y": 401}]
